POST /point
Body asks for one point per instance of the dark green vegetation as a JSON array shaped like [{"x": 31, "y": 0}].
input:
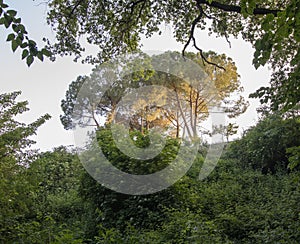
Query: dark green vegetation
[{"x": 251, "y": 197}]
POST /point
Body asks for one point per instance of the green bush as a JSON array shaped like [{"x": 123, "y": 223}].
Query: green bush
[{"x": 264, "y": 146}]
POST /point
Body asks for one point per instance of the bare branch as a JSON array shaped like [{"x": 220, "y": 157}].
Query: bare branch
[
  {"x": 204, "y": 58},
  {"x": 195, "y": 22},
  {"x": 192, "y": 38}
]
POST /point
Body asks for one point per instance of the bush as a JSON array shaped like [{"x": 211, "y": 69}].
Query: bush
[{"x": 264, "y": 146}]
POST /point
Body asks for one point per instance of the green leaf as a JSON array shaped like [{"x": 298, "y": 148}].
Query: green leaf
[
  {"x": 32, "y": 43},
  {"x": 25, "y": 53},
  {"x": 10, "y": 37},
  {"x": 19, "y": 40},
  {"x": 14, "y": 45},
  {"x": 12, "y": 13},
  {"x": 40, "y": 56},
  {"x": 22, "y": 28},
  {"x": 46, "y": 52},
  {"x": 24, "y": 44},
  {"x": 3, "y": 5},
  {"x": 1, "y": 21},
  {"x": 15, "y": 28},
  {"x": 18, "y": 21},
  {"x": 7, "y": 20},
  {"x": 29, "y": 60}
]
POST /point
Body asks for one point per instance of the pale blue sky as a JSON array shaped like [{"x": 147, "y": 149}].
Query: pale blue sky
[{"x": 44, "y": 85}]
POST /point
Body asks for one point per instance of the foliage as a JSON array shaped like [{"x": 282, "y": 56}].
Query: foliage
[
  {"x": 227, "y": 130},
  {"x": 56, "y": 175},
  {"x": 90, "y": 97},
  {"x": 19, "y": 37},
  {"x": 93, "y": 99},
  {"x": 233, "y": 205},
  {"x": 39, "y": 200},
  {"x": 141, "y": 211},
  {"x": 15, "y": 156},
  {"x": 193, "y": 93},
  {"x": 294, "y": 157},
  {"x": 264, "y": 146},
  {"x": 281, "y": 49},
  {"x": 118, "y": 27},
  {"x": 54, "y": 209},
  {"x": 272, "y": 28},
  {"x": 48, "y": 198}
]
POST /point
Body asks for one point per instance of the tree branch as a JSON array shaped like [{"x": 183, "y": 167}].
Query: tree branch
[
  {"x": 238, "y": 9},
  {"x": 70, "y": 15},
  {"x": 76, "y": 5},
  {"x": 204, "y": 58},
  {"x": 192, "y": 38}
]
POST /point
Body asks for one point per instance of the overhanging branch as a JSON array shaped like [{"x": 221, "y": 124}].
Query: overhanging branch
[
  {"x": 238, "y": 9},
  {"x": 192, "y": 38}
]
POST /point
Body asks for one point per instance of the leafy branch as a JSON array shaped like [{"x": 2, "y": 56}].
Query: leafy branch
[{"x": 19, "y": 38}]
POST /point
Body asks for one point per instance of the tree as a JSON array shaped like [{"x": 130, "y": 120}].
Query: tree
[
  {"x": 227, "y": 130},
  {"x": 56, "y": 177},
  {"x": 111, "y": 209},
  {"x": 193, "y": 98},
  {"x": 272, "y": 27},
  {"x": 90, "y": 97},
  {"x": 266, "y": 146},
  {"x": 15, "y": 157},
  {"x": 180, "y": 109}
]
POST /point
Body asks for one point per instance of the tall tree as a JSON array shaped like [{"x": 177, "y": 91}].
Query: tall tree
[
  {"x": 183, "y": 107},
  {"x": 15, "y": 156},
  {"x": 195, "y": 95},
  {"x": 90, "y": 97}
]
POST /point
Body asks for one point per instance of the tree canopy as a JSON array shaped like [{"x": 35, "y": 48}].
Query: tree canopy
[
  {"x": 179, "y": 108},
  {"x": 116, "y": 27}
]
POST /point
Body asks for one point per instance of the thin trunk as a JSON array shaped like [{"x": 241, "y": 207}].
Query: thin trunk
[
  {"x": 177, "y": 125},
  {"x": 94, "y": 117},
  {"x": 196, "y": 115},
  {"x": 182, "y": 114},
  {"x": 142, "y": 124},
  {"x": 112, "y": 114}
]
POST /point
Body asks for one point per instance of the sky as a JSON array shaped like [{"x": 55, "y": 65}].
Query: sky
[{"x": 44, "y": 84}]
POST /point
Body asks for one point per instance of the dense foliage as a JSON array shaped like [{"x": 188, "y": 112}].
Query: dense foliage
[
  {"x": 267, "y": 145},
  {"x": 116, "y": 27},
  {"x": 15, "y": 156},
  {"x": 51, "y": 199}
]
